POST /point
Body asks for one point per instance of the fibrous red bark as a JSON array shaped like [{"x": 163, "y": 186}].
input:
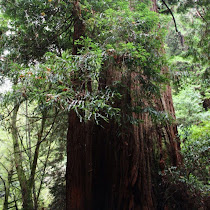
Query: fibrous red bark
[{"x": 116, "y": 167}]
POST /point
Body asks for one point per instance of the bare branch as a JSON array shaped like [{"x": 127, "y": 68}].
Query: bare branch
[{"x": 179, "y": 33}]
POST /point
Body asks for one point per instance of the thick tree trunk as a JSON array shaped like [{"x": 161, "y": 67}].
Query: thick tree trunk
[{"x": 113, "y": 167}]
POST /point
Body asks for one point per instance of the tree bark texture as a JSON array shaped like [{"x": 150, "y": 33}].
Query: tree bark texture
[{"x": 113, "y": 167}]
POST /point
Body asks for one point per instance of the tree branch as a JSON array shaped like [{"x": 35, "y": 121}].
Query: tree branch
[
  {"x": 40, "y": 140},
  {"x": 171, "y": 15},
  {"x": 200, "y": 15},
  {"x": 179, "y": 33}
]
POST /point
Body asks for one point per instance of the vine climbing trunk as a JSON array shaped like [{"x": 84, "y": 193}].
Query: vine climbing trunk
[{"x": 114, "y": 167}]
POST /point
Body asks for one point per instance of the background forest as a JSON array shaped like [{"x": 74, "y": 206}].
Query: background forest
[{"x": 44, "y": 79}]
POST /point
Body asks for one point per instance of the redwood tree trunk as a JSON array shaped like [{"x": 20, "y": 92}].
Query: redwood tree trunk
[{"x": 113, "y": 167}]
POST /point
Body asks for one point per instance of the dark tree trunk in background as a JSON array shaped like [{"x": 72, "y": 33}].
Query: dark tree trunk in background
[{"x": 117, "y": 168}]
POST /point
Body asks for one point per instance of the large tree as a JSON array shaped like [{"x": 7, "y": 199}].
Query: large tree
[
  {"x": 107, "y": 68},
  {"x": 116, "y": 165}
]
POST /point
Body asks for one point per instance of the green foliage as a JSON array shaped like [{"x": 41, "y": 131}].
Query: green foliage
[
  {"x": 5, "y": 162},
  {"x": 188, "y": 105},
  {"x": 123, "y": 35},
  {"x": 183, "y": 190},
  {"x": 187, "y": 186},
  {"x": 197, "y": 39},
  {"x": 58, "y": 188},
  {"x": 126, "y": 35},
  {"x": 67, "y": 82},
  {"x": 195, "y": 148},
  {"x": 36, "y": 27},
  {"x": 117, "y": 34},
  {"x": 132, "y": 41}
]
